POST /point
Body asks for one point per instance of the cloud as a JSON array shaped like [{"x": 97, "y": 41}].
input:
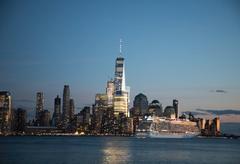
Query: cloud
[
  {"x": 195, "y": 113},
  {"x": 225, "y": 115},
  {"x": 219, "y": 91},
  {"x": 220, "y": 111}
]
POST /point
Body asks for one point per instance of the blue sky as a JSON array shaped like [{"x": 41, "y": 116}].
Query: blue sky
[{"x": 173, "y": 49}]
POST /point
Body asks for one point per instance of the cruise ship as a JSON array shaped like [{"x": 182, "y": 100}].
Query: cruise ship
[{"x": 161, "y": 127}]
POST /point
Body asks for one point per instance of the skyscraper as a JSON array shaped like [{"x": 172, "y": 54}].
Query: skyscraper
[
  {"x": 121, "y": 92},
  {"x": 5, "y": 111},
  {"x": 66, "y": 105},
  {"x": 110, "y": 92},
  {"x": 72, "y": 110},
  {"x": 101, "y": 105},
  {"x": 119, "y": 76},
  {"x": 140, "y": 104},
  {"x": 175, "y": 106},
  {"x": 57, "y": 111},
  {"x": 39, "y": 106}
]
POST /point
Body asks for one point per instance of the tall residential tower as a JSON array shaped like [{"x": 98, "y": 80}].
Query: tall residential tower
[
  {"x": 72, "y": 109},
  {"x": 39, "y": 106},
  {"x": 57, "y": 112},
  {"x": 66, "y": 105}
]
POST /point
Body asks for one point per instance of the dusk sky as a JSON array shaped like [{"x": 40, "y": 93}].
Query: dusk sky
[{"x": 189, "y": 50}]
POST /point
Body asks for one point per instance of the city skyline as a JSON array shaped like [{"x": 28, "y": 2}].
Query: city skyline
[{"x": 191, "y": 56}]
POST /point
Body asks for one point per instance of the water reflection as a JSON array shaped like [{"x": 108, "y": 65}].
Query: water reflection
[{"x": 116, "y": 152}]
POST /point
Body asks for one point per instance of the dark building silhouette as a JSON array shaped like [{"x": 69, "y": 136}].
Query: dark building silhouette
[
  {"x": 66, "y": 105},
  {"x": 124, "y": 125},
  {"x": 19, "y": 120},
  {"x": 82, "y": 120},
  {"x": 175, "y": 106},
  {"x": 57, "y": 112},
  {"x": 169, "y": 112},
  {"x": 155, "y": 108},
  {"x": 39, "y": 106},
  {"x": 45, "y": 118},
  {"x": 140, "y": 105},
  {"x": 72, "y": 110}
]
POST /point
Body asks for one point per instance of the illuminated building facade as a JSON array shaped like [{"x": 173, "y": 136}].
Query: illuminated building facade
[
  {"x": 101, "y": 101},
  {"x": 5, "y": 111},
  {"x": 210, "y": 127},
  {"x": 217, "y": 124},
  {"x": 215, "y": 127},
  {"x": 110, "y": 92},
  {"x": 119, "y": 75},
  {"x": 121, "y": 92},
  {"x": 121, "y": 104},
  {"x": 202, "y": 123},
  {"x": 101, "y": 105}
]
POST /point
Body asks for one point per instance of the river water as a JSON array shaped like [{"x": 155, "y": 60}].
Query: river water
[{"x": 80, "y": 150}]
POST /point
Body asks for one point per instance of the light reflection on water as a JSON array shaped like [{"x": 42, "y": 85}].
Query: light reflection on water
[
  {"x": 118, "y": 151},
  {"x": 114, "y": 152}
]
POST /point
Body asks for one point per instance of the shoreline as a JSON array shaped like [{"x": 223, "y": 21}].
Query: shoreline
[{"x": 223, "y": 136}]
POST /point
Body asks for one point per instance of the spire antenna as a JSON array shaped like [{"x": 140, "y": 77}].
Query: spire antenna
[{"x": 120, "y": 45}]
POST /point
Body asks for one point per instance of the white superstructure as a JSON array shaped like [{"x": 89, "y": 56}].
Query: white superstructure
[{"x": 167, "y": 128}]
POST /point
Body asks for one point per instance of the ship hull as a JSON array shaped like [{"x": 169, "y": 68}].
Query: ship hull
[
  {"x": 172, "y": 135},
  {"x": 166, "y": 135},
  {"x": 142, "y": 135}
]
